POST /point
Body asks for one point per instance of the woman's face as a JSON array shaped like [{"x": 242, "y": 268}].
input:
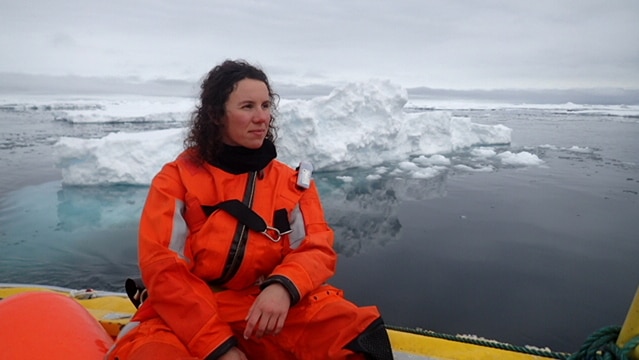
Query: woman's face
[{"x": 247, "y": 114}]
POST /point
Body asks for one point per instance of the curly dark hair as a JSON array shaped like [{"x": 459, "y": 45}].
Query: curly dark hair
[{"x": 205, "y": 134}]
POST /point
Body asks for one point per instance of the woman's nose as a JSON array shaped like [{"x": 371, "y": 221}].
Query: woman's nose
[{"x": 263, "y": 115}]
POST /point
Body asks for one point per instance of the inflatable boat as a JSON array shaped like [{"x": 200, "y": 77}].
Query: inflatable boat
[{"x": 46, "y": 322}]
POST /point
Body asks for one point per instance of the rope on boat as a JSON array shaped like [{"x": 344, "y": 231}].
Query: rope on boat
[
  {"x": 600, "y": 345},
  {"x": 486, "y": 343}
]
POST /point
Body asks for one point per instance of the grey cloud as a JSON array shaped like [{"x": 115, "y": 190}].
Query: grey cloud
[{"x": 456, "y": 44}]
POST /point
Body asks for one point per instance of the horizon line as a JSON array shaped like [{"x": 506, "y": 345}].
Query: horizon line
[{"x": 24, "y": 83}]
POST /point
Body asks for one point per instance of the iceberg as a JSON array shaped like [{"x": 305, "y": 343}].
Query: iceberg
[{"x": 360, "y": 125}]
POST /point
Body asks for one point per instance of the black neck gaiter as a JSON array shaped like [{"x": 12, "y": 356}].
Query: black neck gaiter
[{"x": 240, "y": 160}]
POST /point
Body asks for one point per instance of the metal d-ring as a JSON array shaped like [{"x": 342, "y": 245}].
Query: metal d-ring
[{"x": 276, "y": 230}]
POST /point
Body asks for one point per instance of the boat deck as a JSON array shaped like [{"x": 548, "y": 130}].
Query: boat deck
[{"x": 113, "y": 311}]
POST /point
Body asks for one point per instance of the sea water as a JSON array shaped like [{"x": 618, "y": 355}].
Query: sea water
[{"x": 540, "y": 255}]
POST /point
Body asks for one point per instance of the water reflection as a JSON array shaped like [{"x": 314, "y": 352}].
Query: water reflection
[
  {"x": 363, "y": 210},
  {"x": 74, "y": 237},
  {"x": 99, "y": 207}
]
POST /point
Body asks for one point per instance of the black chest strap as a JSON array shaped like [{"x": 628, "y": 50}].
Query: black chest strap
[{"x": 252, "y": 220}]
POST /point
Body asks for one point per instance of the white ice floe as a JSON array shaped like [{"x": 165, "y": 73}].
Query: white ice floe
[{"x": 361, "y": 125}]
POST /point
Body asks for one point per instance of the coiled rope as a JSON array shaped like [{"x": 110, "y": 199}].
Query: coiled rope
[
  {"x": 598, "y": 346},
  {"x": 601, "y": 345}
]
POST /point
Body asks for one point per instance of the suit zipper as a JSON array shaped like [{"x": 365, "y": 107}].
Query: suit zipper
[{"x": 238, "y": 247}]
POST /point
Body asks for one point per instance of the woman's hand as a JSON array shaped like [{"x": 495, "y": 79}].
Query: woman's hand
[
  {"x": 233, "y": 354},
  {"x": 268, "y": 313}
]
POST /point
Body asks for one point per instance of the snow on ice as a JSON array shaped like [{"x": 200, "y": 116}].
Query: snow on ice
[{"x": 360, "y": 125}]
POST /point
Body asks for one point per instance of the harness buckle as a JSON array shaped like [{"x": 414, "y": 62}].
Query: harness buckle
[
  {"x": 273, "y": 230},
  {"x": 277, "y": 232}
]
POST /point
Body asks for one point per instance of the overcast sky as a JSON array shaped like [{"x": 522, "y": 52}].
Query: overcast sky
[{"x": 440, "y": 43}]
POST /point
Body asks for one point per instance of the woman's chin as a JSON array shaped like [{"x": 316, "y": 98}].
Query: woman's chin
[{"x": 254, "y": 145}]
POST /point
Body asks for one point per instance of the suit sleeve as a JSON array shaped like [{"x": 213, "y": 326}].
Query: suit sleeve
[
  {"x": 311, "y": 259},
  {"x": 181, "y": 299}
]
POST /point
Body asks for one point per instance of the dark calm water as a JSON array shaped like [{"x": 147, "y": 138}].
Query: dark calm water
[{"x": 535, "y": 255}]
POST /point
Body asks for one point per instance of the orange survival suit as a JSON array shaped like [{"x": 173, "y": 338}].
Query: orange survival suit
[{"x": 203, "y": 268}]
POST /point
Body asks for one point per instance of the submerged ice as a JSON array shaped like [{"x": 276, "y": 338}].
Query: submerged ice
[{"x": 358, "y": 126}]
